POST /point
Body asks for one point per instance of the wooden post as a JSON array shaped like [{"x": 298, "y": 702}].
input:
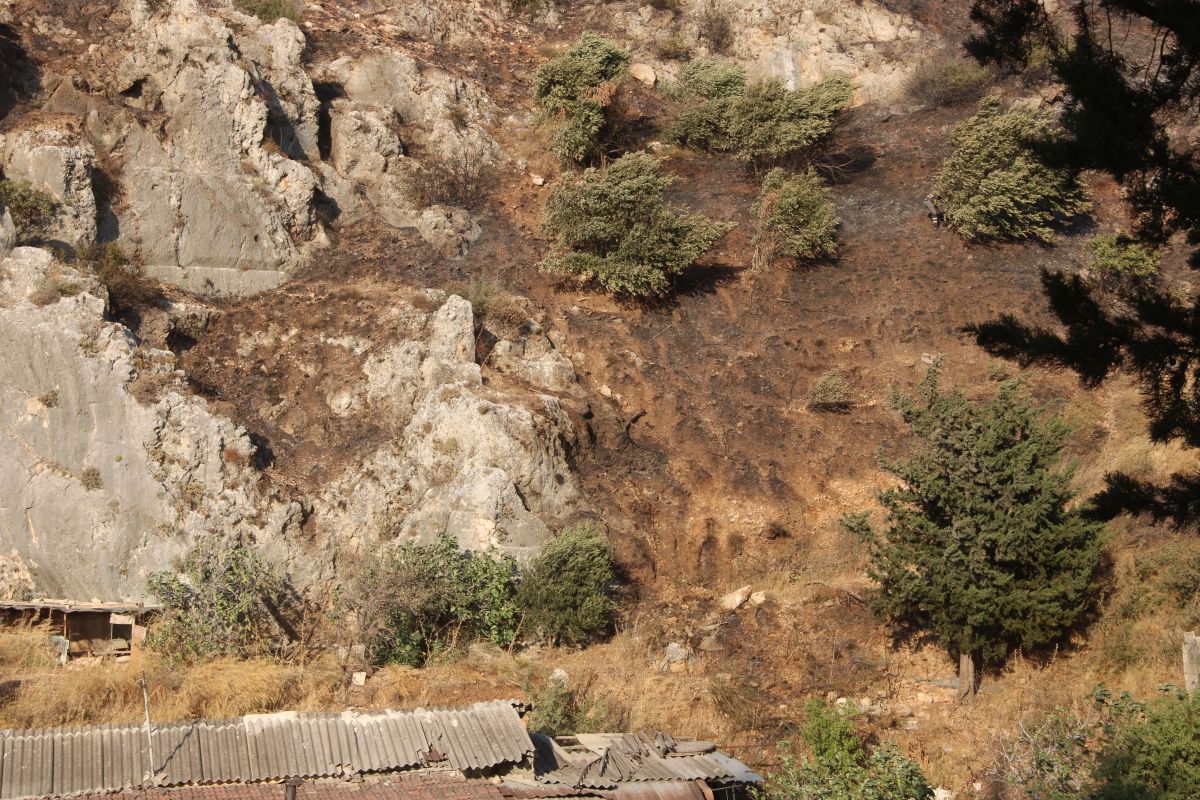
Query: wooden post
[
  {"x": 966, "y": 675},
  {"x": 1191, "y": 661}
]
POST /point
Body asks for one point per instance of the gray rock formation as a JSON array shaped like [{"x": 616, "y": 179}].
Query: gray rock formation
[
  {"x": 802, "y": 41},
  {"x": 59, "y": 163},
  {"x": 108, "y": 470},
  {"x": 466, "y": 461},
  {"x": 8, "y": 232},
  {"x": 99, "y": 489}
]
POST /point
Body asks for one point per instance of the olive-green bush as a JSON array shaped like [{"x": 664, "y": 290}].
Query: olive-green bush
[
  {"x": 759, "y": 123},
  {"x": 614, "y": 227},
  {"x": 413, "y": 600},
  {"x": 945, "y": 80},
  {"x": 566, "y": 593},
  {"x": 1119, "y": 261},
  {"x": 567, "y": 92},
  {"x": 796, "y": 217},
  {"x": 996, "y": 184},
  {"x": 32, "y": 210}
]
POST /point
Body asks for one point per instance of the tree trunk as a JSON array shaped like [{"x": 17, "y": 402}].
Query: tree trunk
[{"x": 967, "y": 683}]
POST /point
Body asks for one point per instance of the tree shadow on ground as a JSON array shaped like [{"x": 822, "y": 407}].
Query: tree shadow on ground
[{"x": 1152, "y": 335}]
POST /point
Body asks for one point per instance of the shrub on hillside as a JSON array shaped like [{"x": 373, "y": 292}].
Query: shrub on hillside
[
  {"x": 572, "y": 92},
  {"x": 945, "y": 80},
  {"x": 566, "y": 594},
  {"x": 995, "y": 185},
  {"x": 986, "y": 546},
  {"x": 1115, "y": 748},
  {"x": 412, "y": 600},
  {"x": 831, "y": 392},
  {"x": 838, "y": 765},
  {"x": 32, "y": 210},
  {"x": 796, "y": 217},
  {"x": 128, "y": 288},
  {"x": 613, "y": 227},
  {"x": 1119, "y": 261},
  {"x": 221, "y": 599},
  {"x": 560, "y": 709},
  {"x": 761, "y": 122}
]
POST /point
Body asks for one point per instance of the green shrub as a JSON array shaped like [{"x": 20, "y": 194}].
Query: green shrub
[
  {"x": 221, "y": 598},
  {"x": 672, "y": 48},
  {"x": 413, "y": 600},
  {"x": 759, "y": 123},
  {"x": 566, "y": 594},
  {"x": 567, "y": 92},
  {"x": 1116, "y": 749},
  {"x": 945, "y": 80},
  {"x": 1118, "y": 260},
  {"x": 1157, "y": 756},
  {"x": 986, "y": 546},
  {"x": 614, "y": 227},
  {"x": 32, "y": 210},
  {"x": 271, "y": 10},
  {"x": 839, "y": 766},
  {"x": 561, "y": 710},
  {"x": 994, "y": 185},
  {"x": 796, "y": 217},
  {"x": 831, "y": 392}
]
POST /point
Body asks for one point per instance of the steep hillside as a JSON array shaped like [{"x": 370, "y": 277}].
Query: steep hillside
[{"x": 340, "y": 339}]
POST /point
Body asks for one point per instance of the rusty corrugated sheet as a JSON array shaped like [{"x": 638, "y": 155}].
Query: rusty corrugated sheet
[
  {"x": 608, "y": 761},
  {"x": 60, "y": 762}
]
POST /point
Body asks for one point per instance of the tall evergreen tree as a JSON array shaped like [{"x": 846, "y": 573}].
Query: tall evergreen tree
[{"x": 984, "y": 548}]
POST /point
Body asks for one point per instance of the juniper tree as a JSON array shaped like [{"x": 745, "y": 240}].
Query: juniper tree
[
  {"x": 614, "y": 227},
  {"x": 984, "y": 547}
]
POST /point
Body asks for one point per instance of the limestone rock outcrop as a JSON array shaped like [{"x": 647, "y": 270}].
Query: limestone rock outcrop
[
  {"x": 466, "y": 461},
  {"x": 802, "y": 41},
  {"x": 99, "y": 489},
  {"x": 218, "y": 148},
  {"x": 59, "y": 163}
]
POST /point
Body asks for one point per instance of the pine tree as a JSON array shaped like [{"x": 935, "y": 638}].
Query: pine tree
[{"x": 984, "y": 547}]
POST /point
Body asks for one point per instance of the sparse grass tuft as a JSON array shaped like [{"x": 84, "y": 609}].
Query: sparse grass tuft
[
  {"x": 271, "y": 10},
  {"x": 945, "y": 80}
]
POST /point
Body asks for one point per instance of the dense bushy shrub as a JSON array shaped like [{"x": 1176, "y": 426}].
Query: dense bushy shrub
[
  {"x": 1119, "y": 261},
  {"x": 839, "y": 767},
  {"x": 1116, "y": 749},
  {"x": 561, "y": 709},
  {"x": 614, "y": 227},
  {"x": 1157, "y": 756},
  {"x": 796, "y": 216},
  {"x": 221, "y": 599},
  {"x": 831, "y": 392},
  {"x": 944, "y": 80},
  {"x": 412, "y": 600},
  {"x": 995, "y": 185},
  {"x": 566, "y": 594},
  {"x": 760, "y": 122},
  {"x": 569, "y": 92},
  {"x": 986, "y": 547},
  {"x": 32, "y": 210}
]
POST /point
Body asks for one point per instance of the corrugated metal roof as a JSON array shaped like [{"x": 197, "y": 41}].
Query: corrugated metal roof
[
  {"x": 58, "y": 762},
  {"x": 606, "y": 761}
]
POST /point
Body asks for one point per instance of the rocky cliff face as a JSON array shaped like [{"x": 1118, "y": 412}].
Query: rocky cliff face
[
  {"x": 218, "y": 152},
  {"x": 110, "y": 469}
]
